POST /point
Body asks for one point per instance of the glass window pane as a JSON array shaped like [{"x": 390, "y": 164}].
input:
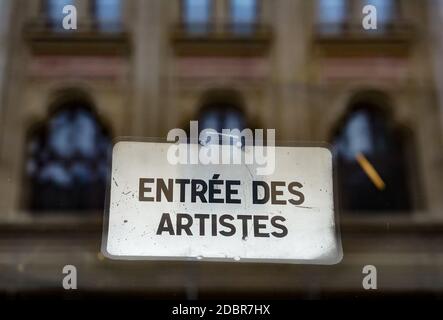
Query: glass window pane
[
  {"x": 243, "y": 15},
  {"x": 108, "y": 14},
  {"x": 385, "y": 11},
  {"x": 331, "y": 11},
  {"x": 196, "y": 15},
  {"x": 55, "y": 12},
  {"x": 331, "y": 15}
]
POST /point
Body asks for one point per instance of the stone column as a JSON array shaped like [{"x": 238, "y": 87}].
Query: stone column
[
  {"x": 13, "y": 15},
  {"x": 147, "y": 40},
  {"x": 436, "y": 22},
  {"x": 221, "y": 14},
  {"x": 5, "y": 25},
  {"x": 84, "y": 13},
  {"x": 290, "y": 63}
]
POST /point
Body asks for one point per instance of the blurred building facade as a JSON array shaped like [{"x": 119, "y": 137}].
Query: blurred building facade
[{"x": 142, "y": 67}]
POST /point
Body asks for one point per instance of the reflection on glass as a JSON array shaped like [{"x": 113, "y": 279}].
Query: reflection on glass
[
  {"x": 196, "y": 15},
  {"x": 357, "y": 136},
  {"x": 67, "y": 162},
  {"x": 243, "y": 15},
  {"x": 368, "y": 134}
]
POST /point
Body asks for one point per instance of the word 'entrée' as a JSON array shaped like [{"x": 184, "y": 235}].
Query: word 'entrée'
[{"x": 218, "y": 191}]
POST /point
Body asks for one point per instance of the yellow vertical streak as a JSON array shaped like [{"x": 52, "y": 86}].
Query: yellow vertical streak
[{"x": 370, "y": 171}]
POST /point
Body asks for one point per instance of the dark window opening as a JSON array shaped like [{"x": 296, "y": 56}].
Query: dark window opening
[
  {"x": 222, "y": 109},
  {"x": 366, "y": 132},
  {"x": 67, "y": 161}
]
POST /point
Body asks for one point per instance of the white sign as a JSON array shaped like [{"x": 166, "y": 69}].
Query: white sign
[{"x": 160, "y": 210}]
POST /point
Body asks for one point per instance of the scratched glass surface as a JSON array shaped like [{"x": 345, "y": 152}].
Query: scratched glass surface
[{"x": 363, "y": 77}]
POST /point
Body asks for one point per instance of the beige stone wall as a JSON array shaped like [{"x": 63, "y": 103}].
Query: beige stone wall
[{"x": 152, "y": 97}]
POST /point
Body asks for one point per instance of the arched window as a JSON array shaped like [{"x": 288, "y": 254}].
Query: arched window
[
  {"x": 67, "y": 160},
  {"x": 222, "y": 109},
  {"x": 331, "y": 15},
  {"x": 108, "y": 14},
  {"x": 368, "y": 139},
  {"x": 54, "y": 12}
]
